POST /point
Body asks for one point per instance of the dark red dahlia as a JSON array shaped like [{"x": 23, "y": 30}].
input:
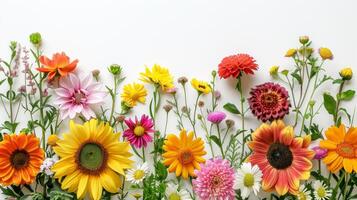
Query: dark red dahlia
[
  {"x": 233, "y": 66},
  {"x": 269, "y": 101}
]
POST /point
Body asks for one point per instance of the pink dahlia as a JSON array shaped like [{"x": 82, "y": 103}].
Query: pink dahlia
[
  {"x": 269, "y": 101},
  {"x": 75, "y": 96},
  {"x": 215, "y": 180},
  {"x": 139, "y": 131},
  {"x": 216, "y": 117},
  {"x": 234, "y": 65}
]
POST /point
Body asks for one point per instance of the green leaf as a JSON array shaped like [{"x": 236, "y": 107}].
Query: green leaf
[
  {"x": 330, "y": 104},
  {"x": 337, "y": 81},
  {"x": 161, "y": 171},
  {"x": 297, "y": 76},
  {"x": 346, "y": 95},
  {"x": 215, "y": 140},
  {"x": 232, "y": 108}
]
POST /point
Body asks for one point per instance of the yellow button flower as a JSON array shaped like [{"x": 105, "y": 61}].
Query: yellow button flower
[
  {"x": 274, "y": 70},
  {"x": 201, "y": 86},
  {"x": 290, "y": 53},
  {"x": 325, "y": 53},
  {"x": 52, "y": 140},
  {"x": 346, "y": 73}
]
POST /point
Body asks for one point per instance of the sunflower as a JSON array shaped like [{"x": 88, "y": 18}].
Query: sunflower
[
  {"x": 201, "y": 86},
  {"x": 183, "y": 154},
  {"x": 91, "y": 158},
  {"x": 159, "y": 76},
  {"x": 342, "y": 149},
  {"x": 133, "y": 93},
  {"x": 20, "y": 159},
  {"x": 283, "y": 158}
]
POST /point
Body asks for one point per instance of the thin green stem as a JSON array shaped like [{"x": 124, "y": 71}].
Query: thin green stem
[
  {"x": 114, "y": 93},
  {"x": 220, "y": 140}
]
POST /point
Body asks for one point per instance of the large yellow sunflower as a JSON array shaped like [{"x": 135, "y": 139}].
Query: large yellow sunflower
[
  {"x": 91, "y": 158},
  {"x": 133, "y": 93},
  {"x": 20, "y": 159},
  {"x": 342, "y": 149},
  {"x": 183, "y": 154},
  {"x": 158, "y": 75}
]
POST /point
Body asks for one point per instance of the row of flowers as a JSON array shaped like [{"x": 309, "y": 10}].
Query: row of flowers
[{"x": 106, "y": 152}]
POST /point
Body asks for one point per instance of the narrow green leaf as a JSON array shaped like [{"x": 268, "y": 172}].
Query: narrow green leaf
[{"x": 232, "y": 108}]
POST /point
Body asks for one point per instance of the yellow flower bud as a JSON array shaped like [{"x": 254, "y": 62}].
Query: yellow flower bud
[
  {"x": 52, "y": 140},
  {"x": 325, "y": 53},
  {"x": 290, "y": 53},
  {"x": 274, "y": 70},
  {"x": 346, "y": 73},
  {"x": 304, "y": 39}
]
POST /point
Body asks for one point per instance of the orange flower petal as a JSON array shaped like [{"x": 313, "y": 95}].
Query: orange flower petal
[
  {"x": 328, "y": 144},
  {"x": 287, "y": 135},
  {"x": 351, "y": 136},
  {"x": 348, "y": 165},
  {"x": 331, "y": 157},
  {"x": 282, "y": 185},
  {"x": 270, "y": 177},
  {"x": 336, "y": 134}
]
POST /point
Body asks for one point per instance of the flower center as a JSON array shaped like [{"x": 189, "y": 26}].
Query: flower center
[
  {"x": 139, "y": 174},
  {"x": 279, "y": 156},
  {"x": 174, "y": 196},
  {"x": 202, "y": 86},
  {"x": 302, "y": 196},
  {"x": 270, "y": 100},
  {"x": 91, "y": 158},
  {"x": 345, "y": 150},
  {"x": 186, "y": 157},
  {"x": 139, "y": 130},
  {"x": 78, "y": 96},
  {"x": 248, "y": 180},
  {"x": 321, "y": 192},
  {"x": 19, "y": 159},
  {"x": 216, "y": 181}
]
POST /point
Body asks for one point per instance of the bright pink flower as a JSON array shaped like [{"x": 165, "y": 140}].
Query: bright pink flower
[
  {"x": 139, "y": 131},
  {"x": 215, "y": 180},
  {"x": 216, "y": 117},
  {"x": 75, "y": 96},
  {"x": 319, "y": 153}
]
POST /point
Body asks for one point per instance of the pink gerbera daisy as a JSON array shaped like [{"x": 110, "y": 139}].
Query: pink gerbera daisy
[
  {"x": 139, "y": 131},
  {"x": 75, "y": 96},
  {"x": 215, "y": 180}
]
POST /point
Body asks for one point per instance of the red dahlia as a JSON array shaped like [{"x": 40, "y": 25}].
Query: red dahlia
[
  {"x": 236, "y": 64},
  {"x": 269, "y": 101}
]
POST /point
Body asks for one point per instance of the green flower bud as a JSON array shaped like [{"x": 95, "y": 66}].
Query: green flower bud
[
  {"x": 115, "y": 69},
  {"x": 35, "y": 38}
]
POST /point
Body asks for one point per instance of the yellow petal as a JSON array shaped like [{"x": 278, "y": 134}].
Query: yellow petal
[
  {"x": 347, "y": 164},
  {"x": 328, "y": 144},
  {"x": 110, "y": 181},
  {"x": 96, "y": 188},
  {"x": 82, "y": 186}
]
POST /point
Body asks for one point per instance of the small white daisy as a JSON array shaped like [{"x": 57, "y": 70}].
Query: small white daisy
[
  {"x": 248, "y": 179},
  {"x": 172, "y": 193},
  {"x": 321, "y": 191},
  {"x": 47, "y": 165},
  {"x": 137, "y": 175},
  {"x": 304, "y": 193}
]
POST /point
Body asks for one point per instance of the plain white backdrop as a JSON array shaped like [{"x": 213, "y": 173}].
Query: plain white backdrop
[{"x": 190, "y": 37}]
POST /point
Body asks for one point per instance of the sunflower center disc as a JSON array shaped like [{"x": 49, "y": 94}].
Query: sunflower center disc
[
  {"x": 248, "y": 180},
  {"x": 91, "y": 157},
  {"x": 19, "y": 159},
  {"x": 269, "y": 100},
  {"x": 279, "y": 156},
  {"x": 345, "y": 150},
  {"x": 139, "y": 130}
]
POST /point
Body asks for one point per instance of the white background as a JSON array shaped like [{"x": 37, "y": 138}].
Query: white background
[{"x": 188, "y": 37}]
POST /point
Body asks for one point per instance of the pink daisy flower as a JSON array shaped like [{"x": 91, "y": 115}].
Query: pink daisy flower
[
  {"x": 139, "y": 131},
  {"x": 75, "y": 96},
  {"x": 216, "y": 117},
  {"x": 215, "y": 180}
]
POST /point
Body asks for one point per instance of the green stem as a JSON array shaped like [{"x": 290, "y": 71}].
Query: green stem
[
  {"x": 240, "y": 90},
  {"x": 113, "y": 99},
  {"x": 220, "y": 140},
  {"x": 335, "y": 116},
  {"x": 143, "y": 150}
]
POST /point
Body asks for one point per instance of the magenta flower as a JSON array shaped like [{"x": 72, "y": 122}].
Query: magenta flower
[
  {"x": 319, "y": 153},
  {"x": 139, "y": 131},
  {"x": 215, "y": 180},
  {"x": 216, "y": 117},
  {"x": 75, "y": 96}
]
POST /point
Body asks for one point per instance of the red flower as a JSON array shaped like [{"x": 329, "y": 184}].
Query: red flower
[
  {"x": 269, "y": 101},
  {"x": 236, "y": 64}
]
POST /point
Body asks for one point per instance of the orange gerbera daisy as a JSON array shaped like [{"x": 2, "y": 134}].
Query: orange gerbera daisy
[
  {"x": 342, "y": 148},
  {"x": 59, "y": 65},
  {"x": 183, "y": 154},
  {"x": 20, "y": 159},
  {"x": 283, "y": 158}
]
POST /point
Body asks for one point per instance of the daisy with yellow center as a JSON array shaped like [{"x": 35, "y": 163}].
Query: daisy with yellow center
[
  {"x": 91, "y": 158},
  {"x": 137, "y": 175},
  {"x": 183, "y": 154},
  {"x": 342, "y": 148},
  {"x": 159, "y": 76},
  {"x": 134, "y": 93},
  {"x": 201, "y": 86},
  {"x": 321, "y": 191},
  {"x": 304, "y": 193}
]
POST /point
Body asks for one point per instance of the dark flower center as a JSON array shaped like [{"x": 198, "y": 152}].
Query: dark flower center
[
  {"x": 202, "y": 86},
  {"x": 216, "y": 181},
  {"x": 91, "y": 158},
  {"x": 270, "y": 100},
  {"x": 279, "y": 156},
  {"x": 19, "y": 159}
]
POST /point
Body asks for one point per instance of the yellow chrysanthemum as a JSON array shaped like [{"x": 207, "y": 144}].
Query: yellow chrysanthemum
[
  {"x": 342, "y": 149},
  {"x": 201, "y": 86},
  {"x": 91, "y": 158},
  {"x": 158, "y": 75},
  {"x": 325, "y": 53},
  {"x": 290, "y": 53},
  {"x": 346, "y": 73},
  {"x": 133, "y": 93},
  {"x": 183, "y": 154}
]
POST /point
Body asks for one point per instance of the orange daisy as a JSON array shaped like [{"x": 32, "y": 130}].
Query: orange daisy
[
  {"x": 342, "y": 148},
  {"x": 283, "y": 158},
  {"x": 20, "y": 159},
  {"x": 59, "y": 65},
  {"x": 183, "y": 154}
]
